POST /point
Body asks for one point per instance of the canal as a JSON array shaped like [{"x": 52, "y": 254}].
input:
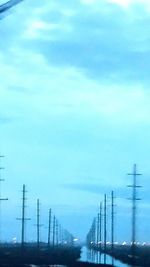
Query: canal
[{"x": 94, "y": 257}]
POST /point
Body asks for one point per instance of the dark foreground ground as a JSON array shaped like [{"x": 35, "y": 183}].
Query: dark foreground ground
[{"x": 15, "y": 256}]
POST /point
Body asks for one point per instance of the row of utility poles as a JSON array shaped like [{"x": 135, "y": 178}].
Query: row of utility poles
[
  {"x": 97, "y": 235},
  {"x": 56, "y": 234}
]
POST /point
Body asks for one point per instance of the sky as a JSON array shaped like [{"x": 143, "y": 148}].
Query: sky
[{"x": 74, "y": 112}]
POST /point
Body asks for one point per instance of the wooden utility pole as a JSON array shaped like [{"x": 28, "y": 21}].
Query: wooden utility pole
[
  {"x": 60, "y": 234},
  {"x": 112, "y": 226},
  {"x": 54, "y": 229},
  {"x": 100, "y": 231},
  {"x": 57, "y": 233},
  {"x": 134, "y": 199},
  {"x": 105, "y": 229},
  {"x": 49, "y": 227},
  {"x": 1, "y": 199},
  {"x": 23, "y": 219},
  {"x": 98, "y": 236},
  {"x": 38, "y": 225}
]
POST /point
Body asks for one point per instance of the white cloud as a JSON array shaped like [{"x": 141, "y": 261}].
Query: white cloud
[
  {"x": 128, "y": 3},
  {"x": 122, "y": 3}
]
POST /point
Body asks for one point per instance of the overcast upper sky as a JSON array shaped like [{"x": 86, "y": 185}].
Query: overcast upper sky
[{"x": 75, "y": 110}]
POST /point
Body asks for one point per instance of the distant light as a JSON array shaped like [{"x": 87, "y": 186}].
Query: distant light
[
  {"x": 124, "y": 243},
  {"x": 108, "y": 243},
  {"x": 14, "y": 240},
  {"x": 91, "y": 242},
  {"x": 75, "y": 239}
]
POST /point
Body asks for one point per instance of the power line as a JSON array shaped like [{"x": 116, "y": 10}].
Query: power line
[{"x": 9, "y": 4}]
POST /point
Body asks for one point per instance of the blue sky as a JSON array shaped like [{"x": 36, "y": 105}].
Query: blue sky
[{"x": 74, "y": 113}]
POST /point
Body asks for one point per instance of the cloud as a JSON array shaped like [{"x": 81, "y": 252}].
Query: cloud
[{"x": 110, "y": 47}]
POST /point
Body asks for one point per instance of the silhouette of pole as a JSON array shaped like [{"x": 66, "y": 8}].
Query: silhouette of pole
[
  {"x": 23, "y": 216},
  {"x": 49, "y": 227},
  {"x": 100, "y": 231},
  {"x": 54, "y": 226},
  {"x": 38, "y": 225},
  {"x": 57, "y": 232},
  {"x": 1, "y": 168},
  {"x": 60, "y": 234},
  {"x": 105, "y": 228},
  {"x": 23, "y": 219},
  {"x": 112, "y": 226},
  {"x": 98, "y": 235},
  {"x": 134, "y": 198}
]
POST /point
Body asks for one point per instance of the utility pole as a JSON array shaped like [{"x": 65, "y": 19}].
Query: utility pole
[
  {"x": 57, "y": 232},
  {"x": 49, "y": 227},
  {"x": 60, "y": 234},
  {"x": 23, "y": 219},
  {"x": 100, "y": 231},
  {"x": 134, "y": 198},
  {"x": 38, "y": 225},
  {"x": 1, "y": 168},
  {"x": 105, "y": 229},
  {"x": 54, "y": 226},
  {"x": 98, "y": 235},
  {"x": 112, "y": 226}
]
